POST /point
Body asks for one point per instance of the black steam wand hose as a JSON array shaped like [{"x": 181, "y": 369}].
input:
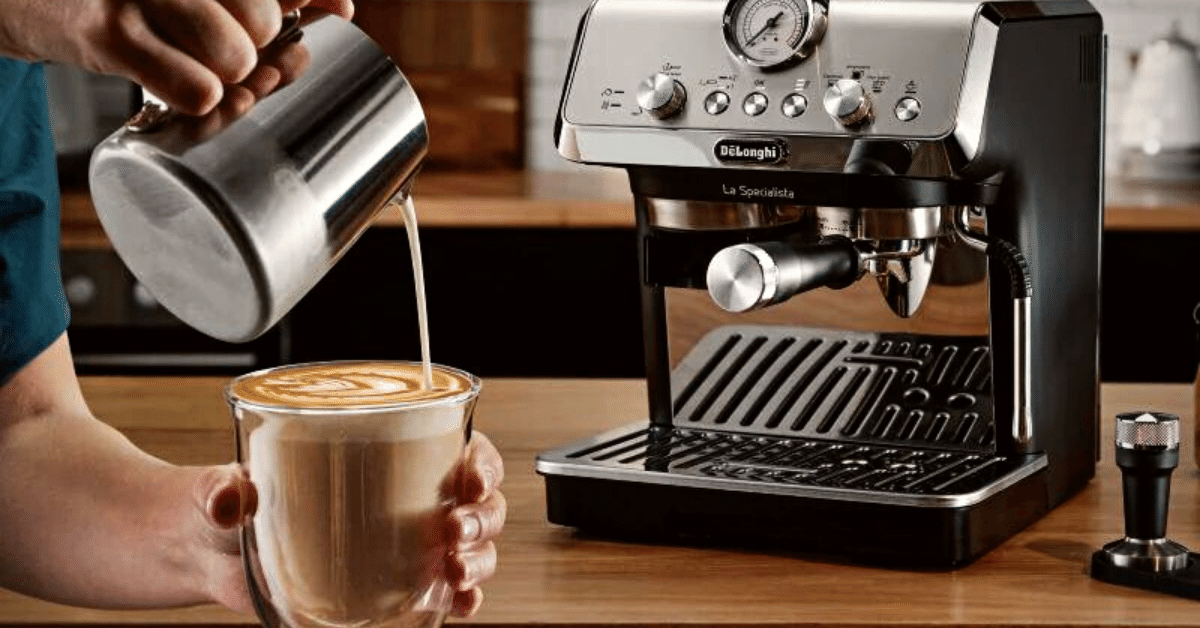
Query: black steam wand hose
[{"x": 1021, "y": 289}]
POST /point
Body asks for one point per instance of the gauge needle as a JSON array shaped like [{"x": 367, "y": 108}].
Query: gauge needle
[{"x": 770, "y": 24}]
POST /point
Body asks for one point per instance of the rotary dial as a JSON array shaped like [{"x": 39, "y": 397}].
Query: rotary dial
[{"x": 773, "y": 33}]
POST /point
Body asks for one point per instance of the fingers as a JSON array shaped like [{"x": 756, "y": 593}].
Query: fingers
[
  {"x": 341, "y": 8},
  {"x": 289, "y": 59},
  {"x": 473, "y": 523},
  {"x": 260, "y": 18},
  {"x": 467, "y": 603},
  {"x": 208, "y": 32},
  {"x": 482, "y": 471},
  {"x": 141, "y": 55},
  {"x": 188, "y": 52},
  {"x": 225, "y": 495},
  {"x": 467, "y": 569}
]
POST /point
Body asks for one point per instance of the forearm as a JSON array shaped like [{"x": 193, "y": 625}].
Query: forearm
[{"x": 89, "y": 519}]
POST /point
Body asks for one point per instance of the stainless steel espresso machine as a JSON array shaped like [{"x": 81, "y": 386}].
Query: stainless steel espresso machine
[{"x": 870, "y": 263}]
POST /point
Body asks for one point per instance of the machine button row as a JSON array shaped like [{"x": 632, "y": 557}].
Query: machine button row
[
  {"x": 755, "y": 104},
  {"x": 794, "y": 105}
]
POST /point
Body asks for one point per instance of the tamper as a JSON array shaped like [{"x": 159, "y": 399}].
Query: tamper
[{"x": 1147, "y": 452}]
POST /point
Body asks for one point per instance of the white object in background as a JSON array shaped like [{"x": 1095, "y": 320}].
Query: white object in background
[{"x": 1160, "y": 124}]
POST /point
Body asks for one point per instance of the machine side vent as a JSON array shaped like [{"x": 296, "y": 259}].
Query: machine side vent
[
  {"x": 873, "y": 388},
  {"x": 1090, "y": 55}
]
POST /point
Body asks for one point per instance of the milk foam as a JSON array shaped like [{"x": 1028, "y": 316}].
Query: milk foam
[{"x": 348, "y": 386}]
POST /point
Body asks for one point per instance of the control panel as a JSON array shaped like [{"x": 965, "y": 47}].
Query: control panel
[{"x": 888, "y": 69}]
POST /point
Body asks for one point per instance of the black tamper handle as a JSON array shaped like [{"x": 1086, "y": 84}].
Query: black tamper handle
[{"x": 1147, "y": 452}]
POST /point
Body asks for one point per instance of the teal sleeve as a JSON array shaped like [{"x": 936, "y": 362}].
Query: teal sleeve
[{"x": 33, "y": 310}]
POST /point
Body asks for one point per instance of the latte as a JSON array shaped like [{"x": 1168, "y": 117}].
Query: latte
[
  {"x": 352, "y": 497},
  {"x": 348, "y": 385}
]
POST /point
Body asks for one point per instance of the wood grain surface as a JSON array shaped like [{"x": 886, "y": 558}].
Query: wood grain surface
[
  {"x": 466, "y": 60},
  {"x": 553, "y": 577}
]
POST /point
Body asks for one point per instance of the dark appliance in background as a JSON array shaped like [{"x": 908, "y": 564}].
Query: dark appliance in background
[
  {"x": 117, "y": 328},
  {"x": 485, "y": 316},
  {"x": 897, "y": 207}
]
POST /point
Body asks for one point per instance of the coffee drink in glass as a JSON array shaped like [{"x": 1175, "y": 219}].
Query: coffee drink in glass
[{"x": 354, "y": 466}]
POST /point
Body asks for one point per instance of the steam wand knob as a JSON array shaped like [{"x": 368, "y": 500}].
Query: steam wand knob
[{"x": 1147, "y": 451}]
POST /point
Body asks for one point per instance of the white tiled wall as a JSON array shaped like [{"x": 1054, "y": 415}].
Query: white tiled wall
[{"x": 1129, "y": 23}]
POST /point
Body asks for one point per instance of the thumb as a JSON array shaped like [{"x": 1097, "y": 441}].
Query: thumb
[{"x": 225, "y": 495}]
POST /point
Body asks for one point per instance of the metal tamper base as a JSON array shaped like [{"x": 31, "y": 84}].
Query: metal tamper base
[{"x": 1147, "y": 451}]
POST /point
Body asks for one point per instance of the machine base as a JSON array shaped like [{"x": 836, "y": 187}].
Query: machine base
[{"x": 876, "y": 532}]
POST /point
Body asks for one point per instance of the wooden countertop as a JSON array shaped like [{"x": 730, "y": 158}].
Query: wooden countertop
[
  {"x": 551, "y": 577},
  {"x": 600, "y": 198}
]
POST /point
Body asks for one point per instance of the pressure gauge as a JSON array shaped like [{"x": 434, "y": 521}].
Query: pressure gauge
[{"x": 773, "y": 33}]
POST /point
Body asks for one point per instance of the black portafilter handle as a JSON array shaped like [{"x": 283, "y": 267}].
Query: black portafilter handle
[
  {"x": 750, "y": 276},
  {"x": 1147, "y": 453}
]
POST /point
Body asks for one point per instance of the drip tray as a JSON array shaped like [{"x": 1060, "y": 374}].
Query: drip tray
[
  {"x": 894, "y": 419},
  {"x": 790, "y": 466}
]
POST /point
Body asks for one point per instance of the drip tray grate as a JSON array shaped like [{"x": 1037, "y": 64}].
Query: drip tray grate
[
  {"x": 890, "y": 389},
  {"x": 774, "y": 464},
  {"x": 884, "y": 418}
]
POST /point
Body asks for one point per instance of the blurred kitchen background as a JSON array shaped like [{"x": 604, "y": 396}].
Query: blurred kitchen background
[{"x": 530, "y": 259}]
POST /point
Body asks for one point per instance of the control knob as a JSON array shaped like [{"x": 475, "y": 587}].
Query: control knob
[
  {"x": 661, "y": 96},
  {"x": 847, "y": 102}
]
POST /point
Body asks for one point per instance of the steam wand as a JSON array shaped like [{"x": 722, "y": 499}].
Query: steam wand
[{"x": 1021, "y": 289}]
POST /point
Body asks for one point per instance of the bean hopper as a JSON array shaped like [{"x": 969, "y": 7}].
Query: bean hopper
[{"x": 870, "y": 270}]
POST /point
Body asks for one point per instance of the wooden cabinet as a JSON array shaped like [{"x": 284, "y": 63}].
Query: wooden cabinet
[{"x": 467, "y": 60}]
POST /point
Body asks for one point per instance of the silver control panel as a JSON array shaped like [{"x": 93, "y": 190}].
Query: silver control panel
[{"x": 881, "y": 68}]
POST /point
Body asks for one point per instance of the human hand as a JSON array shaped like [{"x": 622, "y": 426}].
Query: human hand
[
  {"x": 224, "y": 497},
  {"x": 186, "y": 52}
]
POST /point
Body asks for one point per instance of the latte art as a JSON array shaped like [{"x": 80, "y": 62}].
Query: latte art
[{"x": 349, "y": 385}]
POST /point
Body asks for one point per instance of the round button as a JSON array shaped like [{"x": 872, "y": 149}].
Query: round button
[
  {"x": 795, "y": 105},
  {"x": 717, "y": 103},
  {"x": 661, "y": 96},
  {"x": 755, "y": 104},
  {"x": 908, "y": 109},
  {"x": 846, "y": 101}
]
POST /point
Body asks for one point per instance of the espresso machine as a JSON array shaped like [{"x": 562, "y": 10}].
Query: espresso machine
[{"x": 869, "y": 239}]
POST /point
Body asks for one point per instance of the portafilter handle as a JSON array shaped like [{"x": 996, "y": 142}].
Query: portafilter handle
[{"x": 750, "y": 276}]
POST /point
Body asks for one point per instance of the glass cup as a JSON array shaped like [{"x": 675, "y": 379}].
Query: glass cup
[{"x": 351, "y": 506}]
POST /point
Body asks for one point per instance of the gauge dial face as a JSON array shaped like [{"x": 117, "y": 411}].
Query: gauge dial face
[{"x": 766, "y": 33}]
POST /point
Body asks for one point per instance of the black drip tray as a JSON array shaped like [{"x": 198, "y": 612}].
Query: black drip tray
[
  {"x": 887, "y": 389},
  {"x": 786, "y": 462}
]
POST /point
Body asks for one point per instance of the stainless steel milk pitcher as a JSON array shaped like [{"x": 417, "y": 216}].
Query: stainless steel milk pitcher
[{"x": 229, "y": 223}]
